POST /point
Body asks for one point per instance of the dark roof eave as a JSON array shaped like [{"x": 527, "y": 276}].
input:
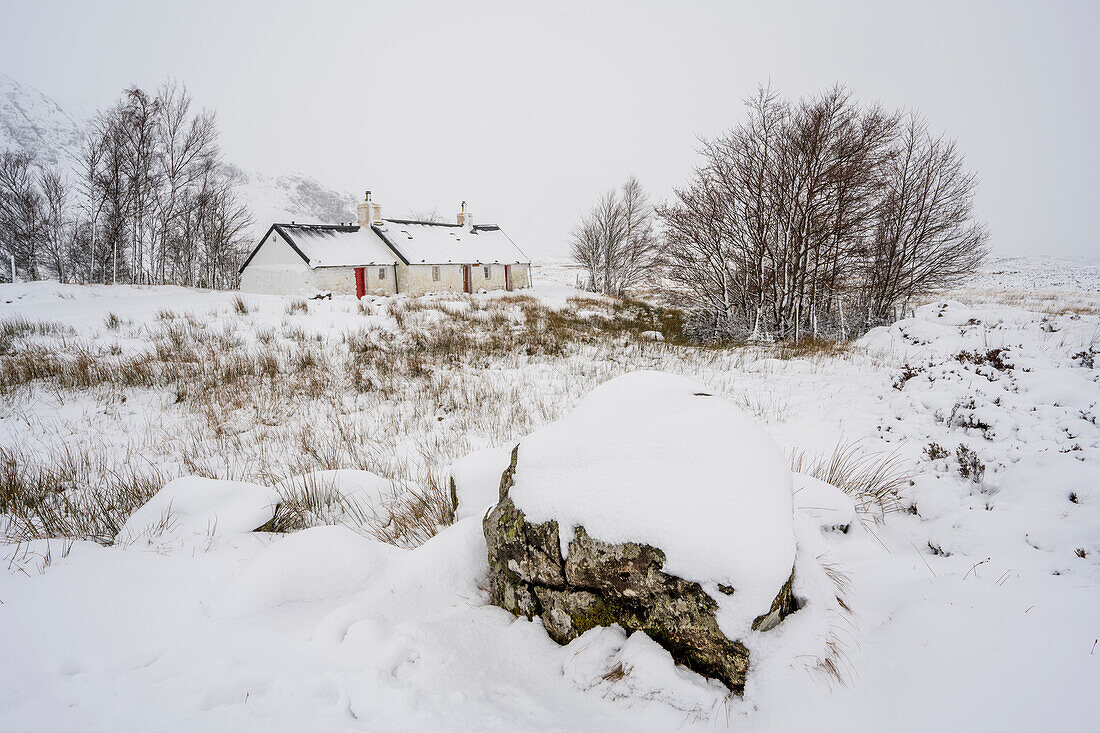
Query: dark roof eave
[
  {"x": 425, "y": 223},
  {"x": 273, "y": 227},
  {"x": 389, "y": 242}
]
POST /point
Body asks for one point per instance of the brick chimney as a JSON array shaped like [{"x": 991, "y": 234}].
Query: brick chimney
[
  {"x": 370, "y": 212},
  {"x": 465, "y": 218}
]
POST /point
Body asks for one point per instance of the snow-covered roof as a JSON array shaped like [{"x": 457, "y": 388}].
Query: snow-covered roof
[
  {"x": 419, "y": 242},
  {"x": 336, "y": 246},
  {"x": 394, "y": 241}
]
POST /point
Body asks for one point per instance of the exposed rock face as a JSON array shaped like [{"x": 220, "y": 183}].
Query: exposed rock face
[{"x": 602, "y": 584}]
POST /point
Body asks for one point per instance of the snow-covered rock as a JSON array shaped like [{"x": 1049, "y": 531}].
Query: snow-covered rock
[
  {"x": 475, "y": 481},
  {"x": 658, "y": 459},
  {"x": 192, "y": 509},
  {"x": 829, "y": 507},
  {"x": 636, "y": 667},
  {"x": 342, "y": 496},
  {"x": 654, "y": 505},
  {"x": 316, "y": 564}
]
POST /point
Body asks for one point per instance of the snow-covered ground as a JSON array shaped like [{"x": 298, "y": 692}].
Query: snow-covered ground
[
  {"x": 1040, "y": 273},
  {"x": 973, "y": 608}
]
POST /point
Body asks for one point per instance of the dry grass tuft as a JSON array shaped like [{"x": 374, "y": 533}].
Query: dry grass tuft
[
  {"x": 617, "y": 673},
  {"x": 834, "y": 665},
  {"x": 14, "y": 329},
  {"x": 811, "y": 348},
  {"x": 872, "y": 478},
  {"x": 766, "y": 406},
  {"x": 79, "y": 495},
  {"x": 414, "y": 515},
  {"x": 410, "y": 516},
  {"x": 308, "y": 502}
]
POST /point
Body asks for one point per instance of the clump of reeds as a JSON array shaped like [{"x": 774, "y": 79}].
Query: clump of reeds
[
  {"x": 872, "y": 478},
  {"x": 78, "y": 495}
]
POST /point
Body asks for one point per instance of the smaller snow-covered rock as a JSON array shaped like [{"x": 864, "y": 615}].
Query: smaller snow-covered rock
[
  {"x": 191, "y": 509},
  {"x": 341, "y": 496},
  {"x": 475, "y": 481},
  {"x": 829, "y": 507},
  {"x": 316, "y": 564},
  {"x": 652, "y": 336},
  {"x": 636, "y": 667}
]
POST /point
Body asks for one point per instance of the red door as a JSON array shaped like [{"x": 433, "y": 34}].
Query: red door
[
  {"x": 466, "y": 279},
  {"x": 507, "y": 277},
  {"x": 360, "y": 283}
]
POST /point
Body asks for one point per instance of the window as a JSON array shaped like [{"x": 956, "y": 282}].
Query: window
[
  {"x": 381, "y": 273},
  {"x": 487, "y": 269},
  {"x": 435, "y": 274}
]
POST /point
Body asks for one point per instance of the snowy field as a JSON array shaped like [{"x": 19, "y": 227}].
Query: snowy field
[{"x": 973, "y": 594}]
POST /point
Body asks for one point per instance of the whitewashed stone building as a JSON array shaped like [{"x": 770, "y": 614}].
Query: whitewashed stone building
[{"x": 379, "y": 256}]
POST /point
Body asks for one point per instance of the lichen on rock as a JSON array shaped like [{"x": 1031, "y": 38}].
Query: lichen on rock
[
  {"x": 657, "y": 506},
  {"x": 600, "y": 584}
]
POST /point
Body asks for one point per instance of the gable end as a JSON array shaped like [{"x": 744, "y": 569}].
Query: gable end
[{"x": 273, "y": 228}]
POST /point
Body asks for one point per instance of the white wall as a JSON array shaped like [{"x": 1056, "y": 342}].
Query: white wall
[
  {"x": 417, "y": 279},
  {"x": 341, "y": 280},
  {"x": 521, "y": 276},
  {"x": 278, "y": 269}
]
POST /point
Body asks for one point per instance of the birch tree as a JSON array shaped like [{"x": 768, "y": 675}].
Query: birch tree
[
  {"x": 811, "y": 212},
  {"x": 925, "y": 238},
  {"x": 615, "y": 242},
  {"x": 57, "y": 227},
  {"x": 21, "y": 212},
  {"x": 160, "y": 204}
]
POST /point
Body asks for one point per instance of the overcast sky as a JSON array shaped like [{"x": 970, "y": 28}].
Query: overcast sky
[{"x": 529, "y": 111}]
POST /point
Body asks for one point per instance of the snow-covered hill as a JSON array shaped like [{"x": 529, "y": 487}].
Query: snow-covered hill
[
  {"x": 32, "y": 121},
  {"x": 36, "y": 123},
  {"x": 293, "y": 197}
]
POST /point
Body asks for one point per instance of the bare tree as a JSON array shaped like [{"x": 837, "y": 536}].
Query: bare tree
[
  {"x": 430, "y": 215},
  {"x": 925, "y": 237},
  {"x": 803, "y": 210},
  {"x": 616, "y": 242},
  {"x": 186, "y": 149},
  {"x": 700, "y": 257},
  {"x": 160, "y": 205},
  {"x": 90, "y": 158},
  {"x": 57, "y": 228},
  {"x": 21, "y": 212}
]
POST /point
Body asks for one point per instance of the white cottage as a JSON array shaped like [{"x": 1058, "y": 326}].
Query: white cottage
[{"x": 385, "y": 256}]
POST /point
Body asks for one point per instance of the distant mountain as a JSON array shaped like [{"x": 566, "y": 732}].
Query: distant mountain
[
  {"x": 35, "y": 123},
  {"x": 31, "y": 121},
  {"x": 293, "y": 197}
]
